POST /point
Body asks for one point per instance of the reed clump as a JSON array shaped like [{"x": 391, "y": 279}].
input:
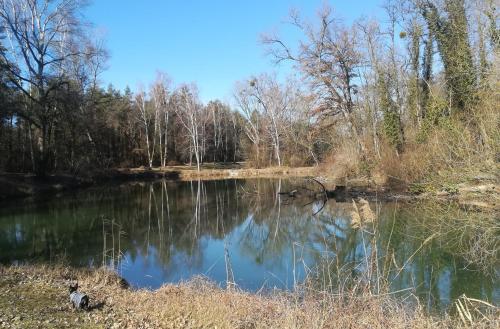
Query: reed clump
[{"x": 463, "y": 231}]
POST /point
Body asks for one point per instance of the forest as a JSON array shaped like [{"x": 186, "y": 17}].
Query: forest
[{"x": 411, "y": 98}]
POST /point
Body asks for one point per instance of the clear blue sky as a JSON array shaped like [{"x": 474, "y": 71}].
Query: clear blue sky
[{"x": 213, "y": 43}]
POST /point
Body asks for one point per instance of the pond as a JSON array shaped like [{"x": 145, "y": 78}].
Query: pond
[{"x": 241, "y": 231}]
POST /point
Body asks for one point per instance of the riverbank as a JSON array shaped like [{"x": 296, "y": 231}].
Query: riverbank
[
  {"x": 37, "y": 297},
  {"x": 13, "y": 185},
  {"x": 215, "y": 171},
  {"x": 17, "y": 185},
  {"x": 480, "y": 191}
]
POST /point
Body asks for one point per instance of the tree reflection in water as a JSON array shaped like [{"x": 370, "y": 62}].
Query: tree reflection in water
[{"x": 174, "y": 230}]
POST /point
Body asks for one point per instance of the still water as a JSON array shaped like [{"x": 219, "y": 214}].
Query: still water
[{"x": 240, "y": 231}]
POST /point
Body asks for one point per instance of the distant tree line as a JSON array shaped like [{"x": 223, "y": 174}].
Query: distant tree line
[
  {"x": 56, "y": 117},
  {"x": 366, "y": 95}
]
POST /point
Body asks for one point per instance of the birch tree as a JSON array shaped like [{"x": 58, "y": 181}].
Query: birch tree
[
  {"x": 264, "y": 97},
  {"x": 250, "y": 109},
  {"x": 146, "y": 121},
  {"x": 189, "y": 113},
  {"x": 216, "y": 111},
  {"x": 161, "y": 99},
  {"x": 42, "y": 36},
  {"x": 274, "y": 102}
]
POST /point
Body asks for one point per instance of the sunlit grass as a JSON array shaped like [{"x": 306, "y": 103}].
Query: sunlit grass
[{"x": 41, "y": 295}]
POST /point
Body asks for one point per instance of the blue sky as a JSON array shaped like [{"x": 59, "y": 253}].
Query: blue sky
[{"x": 213, "y": 43}]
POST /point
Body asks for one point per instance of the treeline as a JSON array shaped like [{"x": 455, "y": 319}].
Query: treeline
[
  {"x": 414, "y": 95},
  {"x": 55, "y": 117},
  {"x": 175, "y": 127},
  {"x": 99, "y": 129}
]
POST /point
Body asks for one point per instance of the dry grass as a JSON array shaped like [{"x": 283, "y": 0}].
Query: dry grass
[
  {"x": 211, "y": 171},
  {"x": 345, "y": 162},
  {"x": 41, "y": 300}
]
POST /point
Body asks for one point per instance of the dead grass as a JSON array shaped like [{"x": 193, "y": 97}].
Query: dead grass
[
  {"x": 220, "y": 171},
  {"x": 345, "y": 162},
  {"x": 40, "y": 299}
]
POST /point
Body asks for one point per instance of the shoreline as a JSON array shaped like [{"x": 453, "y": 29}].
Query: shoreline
[
  {"x": 184, "y": 173},
  {"x": 37, "y": 296},
  {"x": 483, "y": 193},
  {"x": 21, "y": 185}
]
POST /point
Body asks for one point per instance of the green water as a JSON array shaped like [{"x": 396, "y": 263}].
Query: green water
[{"x": 242, "y": 231}]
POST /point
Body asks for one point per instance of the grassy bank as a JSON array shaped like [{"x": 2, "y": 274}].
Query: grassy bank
[{"x": 37, "y": 296}]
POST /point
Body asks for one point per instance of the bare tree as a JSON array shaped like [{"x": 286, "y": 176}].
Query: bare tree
[
  {"x": 216, "y": 111},
  {"x": 264, "y": 99},
  {"x": 146, "y": 122},
  {"x": 301, "y": 130},
  {"x": 372, "y": 35},
  {"x": 161, "y": 99},
  {"x": 189, "y": 113},
  {"x": 250, "y": 109},
  {"x": 85, "y": 71},
  {"x": 329, "y": 58},
  {"x": 235, "y": 119},
  {"x": 42, "y": 35}
]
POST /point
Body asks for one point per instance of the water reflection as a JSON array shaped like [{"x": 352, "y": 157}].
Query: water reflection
[{"x": 235, "y": 230}]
